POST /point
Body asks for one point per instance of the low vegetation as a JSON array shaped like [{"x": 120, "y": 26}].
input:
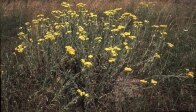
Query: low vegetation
[{"x": 78, "y": 58}]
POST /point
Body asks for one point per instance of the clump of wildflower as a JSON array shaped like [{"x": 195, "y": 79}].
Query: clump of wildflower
[
  {"x": 92, "y": 15},
  {"x": 137, "y": 24},
  {"x": 143, "y": 81},
  {"x": 98, "y": 39},
  {"x": 128, "y": 69},
  {"x": 155, "y": 26},
  {"x": 163, "y": 33},
  {"x": 119, "y": 28},
  {"x": 80, "y": 5},
  {"x": 90, "y": 56},
  {"x": 146, "y": 21},
  {"x": 113, "y": 50},
  {"x": 70, "y": 50},
  {"x": 27, "y": 23},
  {"x": 111, "y": 60},
  {"x": 82, "y": 34},
  {"x": 20, "y": 48},
  {"x": 163, "y": 26},
  {"x": 86, "y": 64},
  {"x": 49, "y": 36},
  {"x": 65, "y": 4},
  {"x": 128, "y": 15},
  {"x": 190, "y": 74},
  {"x": 156, "y": 55},
  {"x": 110, "y": 12},
  {"x": 21, "y": 35},
  {"x": 154, "y": 82},
  {"x": 170, "y": 45},
  {"x": 82, "y": 93},
  {"x": 125, "y": 34},
  {"x": 39, "y": 41}
]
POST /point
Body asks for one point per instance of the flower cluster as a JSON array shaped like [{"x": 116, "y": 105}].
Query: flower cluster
[
  {"x": 82, "y": 93},
  {"x": 153, "y": 82},
  {"x": 70, "y": 50},
  {"x": 87, "y": 64},
  {"x": 82, "y": 34},
  {"x": 20, "y": 48}
]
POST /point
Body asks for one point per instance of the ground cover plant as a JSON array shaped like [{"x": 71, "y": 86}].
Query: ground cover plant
[{"x": 122, "y": 60}]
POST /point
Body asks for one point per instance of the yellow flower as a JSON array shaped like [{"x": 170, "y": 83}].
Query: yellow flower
[
  {"x": 49, "y": 36},
  {"x": 20, "y": 48},
  {"x": 27, "y": 23},
  {"x": 98, "y": 39},
  {"x": 111, "y": 60},
  {"x": 88, "y": 64},
  {"x": 70, "y": 50},
  {"x": 125, "y": 34},
  {"x": 82, "y": 60},
  {"x": 82, "y": 93},
  {"x": 125, "y": 43},
  {"x": 90, "y": 56},
  {"x": 127, "y": 47},
  {"x": 132, "y": 37},
  {"x": 80, "y": 5},
  {"x": 65, "y": 4},
  {"x": 170, "y": 45},
  {"x": 163, "y": 33},
  {"x": 154, "y": 82},
  {"x": 155, "y": 26},
  {"x": 163, "y": 26},
  {"x": 68, "y": 32},
  {"x": 87, "y": 95},
  {"x": 110, "y": 12},
  {"x": 146, "y": 21},
  {"x": 143, "y": 81},
  {"x": 127, "y": 69},
  {"x": 39, "y": 41},
  {"x": 120, "y": 27},
  {"x": 157, "y": 55},
  {"x": 21, "y": 35},
  {"x": 190, "y": 74},
  {"x": 79, "y": 91},
  {"x": 117, "y": 48},
  {"x": 56, "y": 34},
  {"x": 114, "y": 53}
]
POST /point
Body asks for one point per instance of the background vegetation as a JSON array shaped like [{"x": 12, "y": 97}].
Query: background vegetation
[{"x": 30, "y": 81}]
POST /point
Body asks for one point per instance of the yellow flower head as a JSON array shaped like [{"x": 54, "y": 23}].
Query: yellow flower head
[
  {"x": 70, "y": 50},
  {"x": 170, "y": 45},
  {"x": 157, "y": 55},
  {"x": 154, "y": 82},
  {"x": 49, "y": 36},
  {"x": 87, "y": 95},
  {"x": 127, "y": 69},
  {"x": 82, "y": 93},
  {"x": 143, "y": 81},
  {"x": 111, "y": 60},
  {"x": 90, "y": 56},
  {"x": 20, "y": 48},
  {"x": 163, "y": 33},
  {"x": 87, "y": 64},
  {"x": 80, "y": 5},
  {"x": 65, "y": 4},
  {"x": 163, "y": 26},
  {"x": 190, "y": 74},
  {"x": 110, "y": 12}
]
